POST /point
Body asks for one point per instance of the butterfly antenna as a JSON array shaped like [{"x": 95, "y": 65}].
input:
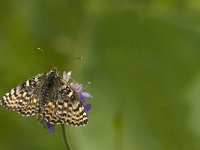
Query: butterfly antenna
[
  {"x": 44, "y": 54},
  {"x": 88, "y": 84},
  {"x": 73, "y": 80},
  {"x": 76, "y": 82},
  {"x": 80, "y": 58},
  {"x": 77, "y": 58}
]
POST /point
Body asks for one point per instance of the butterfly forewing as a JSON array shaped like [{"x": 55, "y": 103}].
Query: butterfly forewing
[
  {"x": 67, "y": 108},
  {"x": 24, "y": 97}
]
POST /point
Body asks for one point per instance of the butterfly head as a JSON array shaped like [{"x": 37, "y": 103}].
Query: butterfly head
[{"x": 54, "y": 70}]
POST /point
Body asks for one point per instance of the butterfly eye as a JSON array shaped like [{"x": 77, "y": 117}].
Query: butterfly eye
[{"x": 55, "y": 70}]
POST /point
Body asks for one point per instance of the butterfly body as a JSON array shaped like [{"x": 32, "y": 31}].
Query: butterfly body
[
  {"x": 48, "y": 96},
  {"x": 48, "y": 88}
]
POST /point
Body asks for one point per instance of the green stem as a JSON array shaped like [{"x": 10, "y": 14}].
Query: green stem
[{"x": 64, "y": 136}]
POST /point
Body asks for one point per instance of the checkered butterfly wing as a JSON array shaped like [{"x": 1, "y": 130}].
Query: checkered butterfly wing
[
  {"x": 24, "y": 97},
  {"x": 66, "y": 108}
]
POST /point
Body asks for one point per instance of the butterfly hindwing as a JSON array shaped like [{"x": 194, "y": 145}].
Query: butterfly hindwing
[
  {"x": 72, "y": 113},
  {"x": 70, "y": 108},
  {"x": 24, "y": 97},
  {"x": 48, "y": 112}
]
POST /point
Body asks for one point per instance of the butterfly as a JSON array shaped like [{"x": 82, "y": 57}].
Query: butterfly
[{"x": 48, "y": 96}]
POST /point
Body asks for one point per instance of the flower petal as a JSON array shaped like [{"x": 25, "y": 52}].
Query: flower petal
[
  {"x": 50, "y": 127},
  {"x": 67, "y": 75},
  {"x": 79, "y": 87},
  {"x": 85, "y": 94},
  {"x": 82, "y": 98},
  {"x": 87, "y": 107}
]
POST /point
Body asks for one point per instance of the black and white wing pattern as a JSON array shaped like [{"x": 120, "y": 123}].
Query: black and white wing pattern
[
  {"x": 66, "y": 108},
  {"x": 24, "y": 97},
  {"x": 48, "y": 96}
]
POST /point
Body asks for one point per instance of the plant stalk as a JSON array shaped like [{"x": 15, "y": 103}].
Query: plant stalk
[{"x": 64, "y": 137}]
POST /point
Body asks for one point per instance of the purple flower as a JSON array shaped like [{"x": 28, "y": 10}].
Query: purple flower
[
  {"x": 50, "y": 127},
  {"x": 78, "y": 88}
]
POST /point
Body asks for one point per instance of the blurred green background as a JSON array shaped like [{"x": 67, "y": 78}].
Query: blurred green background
[{"x": 141, "y": 57}]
